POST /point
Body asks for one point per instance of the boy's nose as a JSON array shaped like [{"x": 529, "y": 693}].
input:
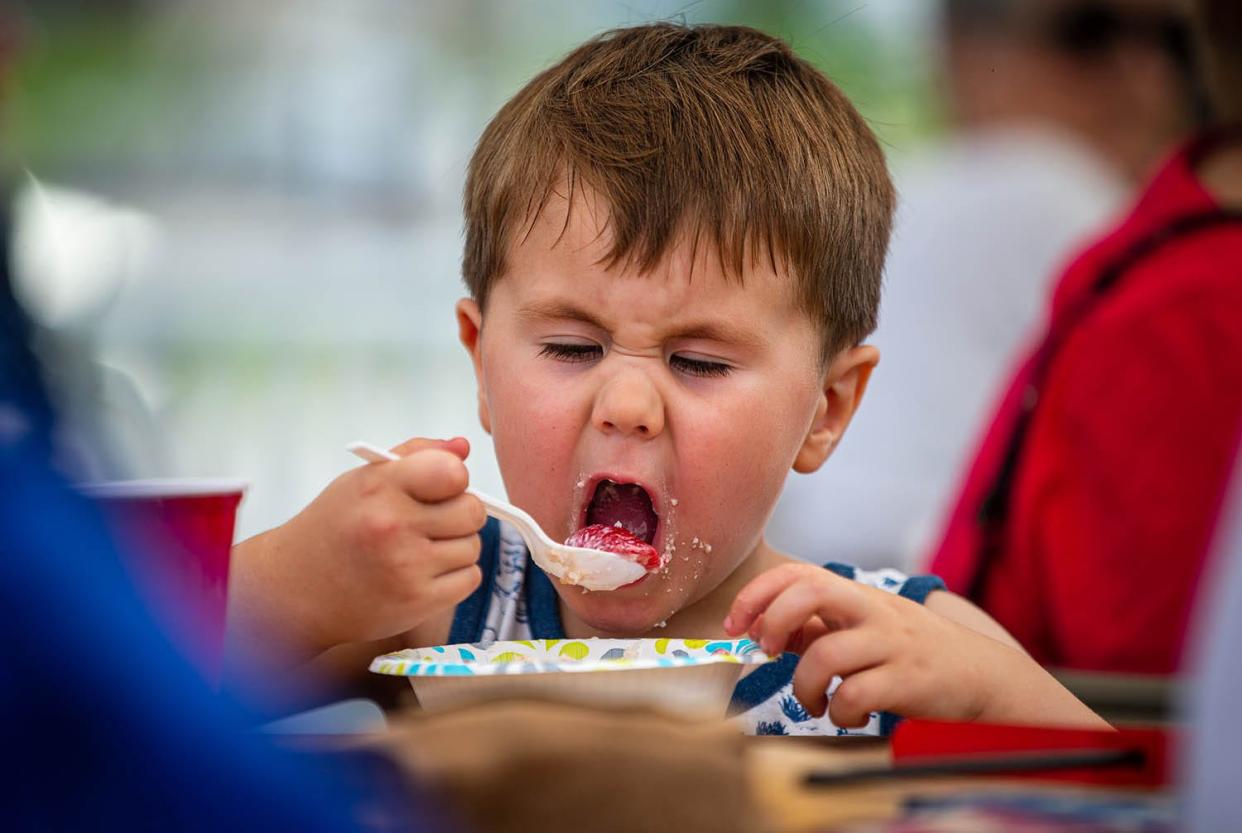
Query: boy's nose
[{"x": 629, "y": 404}]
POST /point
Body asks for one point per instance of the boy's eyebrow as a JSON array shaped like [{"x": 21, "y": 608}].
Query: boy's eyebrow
[
  {"x": 705, "y": 331},
  {"x": 546, "y": 310}
]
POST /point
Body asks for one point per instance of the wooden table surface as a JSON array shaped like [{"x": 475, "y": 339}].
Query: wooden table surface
[{"x": 547, "y": 752}]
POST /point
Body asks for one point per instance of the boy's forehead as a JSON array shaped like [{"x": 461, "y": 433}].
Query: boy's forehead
[{"x": 575, "y": 233}]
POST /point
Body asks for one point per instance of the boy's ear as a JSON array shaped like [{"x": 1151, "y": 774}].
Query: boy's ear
[
  {"x": 470, "y": 331},
  {"x": 844, "y": 385}
]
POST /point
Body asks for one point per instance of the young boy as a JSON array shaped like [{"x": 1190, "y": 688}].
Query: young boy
[{"x": 674, "y": 241}]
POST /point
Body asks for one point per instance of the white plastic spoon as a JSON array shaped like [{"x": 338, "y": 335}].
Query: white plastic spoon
[{"x": 592, "y": 569}]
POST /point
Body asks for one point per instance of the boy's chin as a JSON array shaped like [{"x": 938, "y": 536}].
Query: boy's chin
[{"x": 614, "y": 614}]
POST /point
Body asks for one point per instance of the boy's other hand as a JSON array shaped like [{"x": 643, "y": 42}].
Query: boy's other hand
[
  {"x": 892, "y": 654},
  {"x": 381, "y": 549}
]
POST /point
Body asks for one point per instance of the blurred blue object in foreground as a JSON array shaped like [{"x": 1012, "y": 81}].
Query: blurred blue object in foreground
[{"x": 105, "y": 726}]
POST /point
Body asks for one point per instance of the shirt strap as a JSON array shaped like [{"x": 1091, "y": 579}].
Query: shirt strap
[{"x": 471, "y": 614}]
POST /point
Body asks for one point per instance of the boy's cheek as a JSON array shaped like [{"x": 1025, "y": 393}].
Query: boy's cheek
[
  {"x": 524, "y": 410},
  {"x": 535, "y": 453},
  {"x": 738, "y": 480},
  {"x": 530, "y": 457}
]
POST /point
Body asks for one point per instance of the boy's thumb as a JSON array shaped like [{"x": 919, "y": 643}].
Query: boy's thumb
[{"x": 458, "y": 445}]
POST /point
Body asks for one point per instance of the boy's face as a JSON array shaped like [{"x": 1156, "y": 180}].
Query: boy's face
[{"x": 700, "y": 390}]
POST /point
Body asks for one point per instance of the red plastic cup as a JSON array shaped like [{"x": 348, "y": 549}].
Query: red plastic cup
[{"x": 177, "y": 535}]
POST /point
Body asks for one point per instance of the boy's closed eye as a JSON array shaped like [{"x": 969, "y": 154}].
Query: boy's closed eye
[
  {"x": 698, "y": 367},
  {"x": 571, "y": 352},
  {"x": 584, "y": 352}
]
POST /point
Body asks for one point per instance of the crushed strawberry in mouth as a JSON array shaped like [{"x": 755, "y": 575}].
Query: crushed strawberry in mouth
[{"x": 617, "y": 540}]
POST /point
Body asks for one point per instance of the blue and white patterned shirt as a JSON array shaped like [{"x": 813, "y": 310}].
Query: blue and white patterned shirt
[{"x": 517, "y": 601}]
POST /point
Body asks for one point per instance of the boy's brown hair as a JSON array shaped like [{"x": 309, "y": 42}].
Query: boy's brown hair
[{"x": 716, "y": 132}]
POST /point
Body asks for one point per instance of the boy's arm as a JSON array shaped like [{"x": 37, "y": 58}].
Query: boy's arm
[
  {"x": 1034, "y": 695},
  {"x": 339, "y": 673},
  {"x": 953, "y": 607},
  {"x": 343, "y": 670},
  {"x": 379, "y": 559}
]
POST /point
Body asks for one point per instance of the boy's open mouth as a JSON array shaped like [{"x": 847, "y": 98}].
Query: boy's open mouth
[
  {"x": 626, "y": 504},
  {"x": 620, "y": 518}
]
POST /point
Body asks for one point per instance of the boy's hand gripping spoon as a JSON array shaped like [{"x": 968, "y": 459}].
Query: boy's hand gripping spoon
[{"x": 588, "y": 568}]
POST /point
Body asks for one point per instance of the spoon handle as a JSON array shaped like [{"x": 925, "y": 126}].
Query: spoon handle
[
  {"x": 371, "y": 453},
  {"x": 508, "y": 512}
]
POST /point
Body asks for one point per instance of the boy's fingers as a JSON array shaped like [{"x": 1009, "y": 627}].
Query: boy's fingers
[
  {"x": 837, "y": 601},
  {"x": 454, "y": 587},
  {"x": 431, "y": 475},
  {"x": 861, "y": 694},
  {"x": 756, "y": 596},
  {"x": 838, "y": 654},
  {"x": 454, "y": 554},
  {"x": 458, "y": 446},
  {"x": 453, "y": 518},
  {"x": 784, "y": 616},
  {"x": 811, "y": 630}
]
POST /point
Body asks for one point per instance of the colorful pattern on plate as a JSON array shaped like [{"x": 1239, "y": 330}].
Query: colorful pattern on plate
[{"x": 536, "y": 656}]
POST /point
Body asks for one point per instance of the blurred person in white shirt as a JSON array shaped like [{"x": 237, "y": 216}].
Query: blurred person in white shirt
[{"x": 1057, "y": 109}]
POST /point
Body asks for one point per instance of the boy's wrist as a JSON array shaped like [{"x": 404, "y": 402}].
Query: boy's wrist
[
  {"x": 1001, "y": 682},
  {"x": 1022, "y": 691}
]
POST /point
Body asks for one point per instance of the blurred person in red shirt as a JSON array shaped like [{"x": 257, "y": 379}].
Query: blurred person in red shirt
[{"x": 1083, "y": 523}]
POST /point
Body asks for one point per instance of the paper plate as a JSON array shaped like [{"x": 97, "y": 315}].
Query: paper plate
[{"x": 677, "y": 675}]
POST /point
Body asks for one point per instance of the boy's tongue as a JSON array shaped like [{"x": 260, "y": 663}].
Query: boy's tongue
[{"x": 626, "y": 504}]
